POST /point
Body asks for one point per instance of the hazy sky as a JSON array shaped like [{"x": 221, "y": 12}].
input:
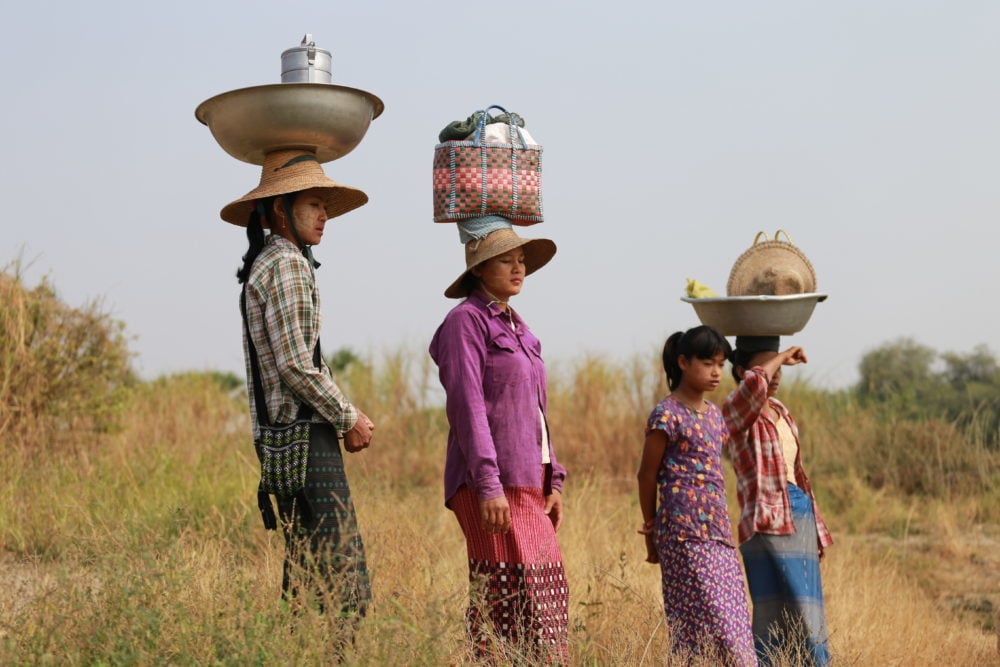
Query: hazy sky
[{"x": 673, "y": 132}]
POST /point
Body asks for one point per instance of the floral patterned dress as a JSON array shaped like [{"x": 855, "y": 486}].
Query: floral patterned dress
[{"x": 703, "y": 592}]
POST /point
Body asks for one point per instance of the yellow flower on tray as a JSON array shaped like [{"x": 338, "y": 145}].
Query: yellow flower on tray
[{"x": 699, "y": 290}]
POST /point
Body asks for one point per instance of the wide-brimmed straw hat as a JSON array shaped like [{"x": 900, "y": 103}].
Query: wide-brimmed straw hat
[
  {"x": 773, "y": 268},
  {"x": 290, "y": 171},
  {"x": 537, "y": 253}
]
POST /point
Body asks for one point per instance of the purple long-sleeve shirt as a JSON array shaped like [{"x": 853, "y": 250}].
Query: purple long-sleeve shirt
[{"x": 494, "y": 378}]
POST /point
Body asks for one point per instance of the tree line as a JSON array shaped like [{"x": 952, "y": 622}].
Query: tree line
[{"x": 916, "y": 382}]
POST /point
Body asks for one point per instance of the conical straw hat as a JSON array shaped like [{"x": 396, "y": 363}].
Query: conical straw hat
[
  {"x": 537, "y": 253},
  {"x": 288, "y": 171}
]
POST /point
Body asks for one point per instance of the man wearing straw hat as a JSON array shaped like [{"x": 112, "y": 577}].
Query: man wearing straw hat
[{"x": 286, "y": 374}]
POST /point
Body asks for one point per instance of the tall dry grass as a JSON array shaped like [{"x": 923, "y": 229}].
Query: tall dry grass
[
  {"x": 149, "y": 551},
  {"x": 141, "y": 543}
]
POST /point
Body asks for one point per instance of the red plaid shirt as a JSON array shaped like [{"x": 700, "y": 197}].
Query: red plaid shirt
[{"x": 761, "y": 482}]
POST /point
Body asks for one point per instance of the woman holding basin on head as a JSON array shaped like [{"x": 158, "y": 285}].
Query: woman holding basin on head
[
  {"x": 502, "y": 478},
  {"x": 287, "y": 379},
  {"x": 782, "y": 535}
]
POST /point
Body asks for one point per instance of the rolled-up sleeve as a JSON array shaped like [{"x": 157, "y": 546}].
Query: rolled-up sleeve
[
  {"x": 740, "y": 411},
  {"x": 744, "y": 405}
]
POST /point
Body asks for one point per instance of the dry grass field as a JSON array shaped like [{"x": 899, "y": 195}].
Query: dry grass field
[{"x": 134, "y": 539}]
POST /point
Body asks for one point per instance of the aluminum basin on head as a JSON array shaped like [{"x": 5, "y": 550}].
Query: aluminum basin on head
[
  {"x": 763, "y": 315},
  {"x": 329, "y": 120}
]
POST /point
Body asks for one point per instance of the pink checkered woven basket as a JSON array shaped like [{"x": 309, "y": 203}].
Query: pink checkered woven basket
[{"x": 475, "y": 178}]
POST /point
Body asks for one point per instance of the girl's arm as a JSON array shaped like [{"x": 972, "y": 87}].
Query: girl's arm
[
  {"x": 793, "y": 356},
  {"x": 652, "y": 456},
  {"x": 744, "y": 405}
]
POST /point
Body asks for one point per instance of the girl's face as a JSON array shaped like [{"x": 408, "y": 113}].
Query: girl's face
[
  {"x": 503, "y": 275},
  {"x": 702, "y": 375}
]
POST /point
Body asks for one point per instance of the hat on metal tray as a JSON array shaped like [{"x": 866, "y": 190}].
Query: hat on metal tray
[
  {"x": 537, "y": 253},
  {"x": 288, "y": 171},
  {"x": 772, "y": 268}
]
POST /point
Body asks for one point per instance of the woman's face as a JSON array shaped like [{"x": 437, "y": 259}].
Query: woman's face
[
  {"x": 309, "y": 211},
  {"x": 503, "y": 275}
]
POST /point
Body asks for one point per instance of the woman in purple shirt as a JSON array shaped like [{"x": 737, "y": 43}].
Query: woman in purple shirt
[{"x": 502, "y": 479}]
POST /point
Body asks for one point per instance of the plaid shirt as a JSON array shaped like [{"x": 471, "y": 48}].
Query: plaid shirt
[
  {"x": 283, "y": 313},
  {"x": 761, "y": 482}
]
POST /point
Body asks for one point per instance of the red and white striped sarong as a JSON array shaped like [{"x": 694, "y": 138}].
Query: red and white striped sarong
[{"x": 519, "y": 597}]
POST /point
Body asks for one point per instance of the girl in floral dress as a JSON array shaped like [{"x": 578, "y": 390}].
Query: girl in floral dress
[{"x": 683, "y": 500}]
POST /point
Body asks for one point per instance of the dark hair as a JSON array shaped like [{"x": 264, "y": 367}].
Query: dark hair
[
  {"x": 255, "y": 237},
  {"x": 748, "y": 347},
  {"x": 741, "y": 358},
  {"x": 470, "y": 283},
  {"x": 702, "y": 342}
]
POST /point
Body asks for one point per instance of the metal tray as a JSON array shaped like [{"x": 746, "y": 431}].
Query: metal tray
[
  {"x": 249, "y": 123},
  {"x": 757, "y": 315}
]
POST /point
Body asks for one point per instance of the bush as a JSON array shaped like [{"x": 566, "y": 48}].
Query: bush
[{"x": 62, "y": 370}]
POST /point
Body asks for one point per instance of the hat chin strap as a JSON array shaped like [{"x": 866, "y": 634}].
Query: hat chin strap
[{"x": 290, "y": 215}]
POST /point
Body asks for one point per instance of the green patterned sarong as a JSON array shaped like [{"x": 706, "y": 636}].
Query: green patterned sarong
[{"x": 324, "y": 554}]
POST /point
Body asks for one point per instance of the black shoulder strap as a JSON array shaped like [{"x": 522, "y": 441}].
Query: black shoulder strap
[{"x": 304, "y": 413}]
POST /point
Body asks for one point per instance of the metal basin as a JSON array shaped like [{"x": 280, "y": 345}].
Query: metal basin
[
  {"x": 757, "y": 315},
  {"x": 329, "y": 120}
]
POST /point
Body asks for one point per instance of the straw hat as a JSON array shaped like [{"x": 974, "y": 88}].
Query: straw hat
[
  {"x": 290, "y": 171},
  {"x": 773, "y": 268},
  {"x": 537, "y": 253}
]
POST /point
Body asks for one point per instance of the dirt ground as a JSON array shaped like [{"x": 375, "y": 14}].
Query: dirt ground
[{"x": 961, "y": 572}]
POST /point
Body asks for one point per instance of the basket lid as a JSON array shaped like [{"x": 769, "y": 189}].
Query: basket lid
[{"x": 771, "y": 267}]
